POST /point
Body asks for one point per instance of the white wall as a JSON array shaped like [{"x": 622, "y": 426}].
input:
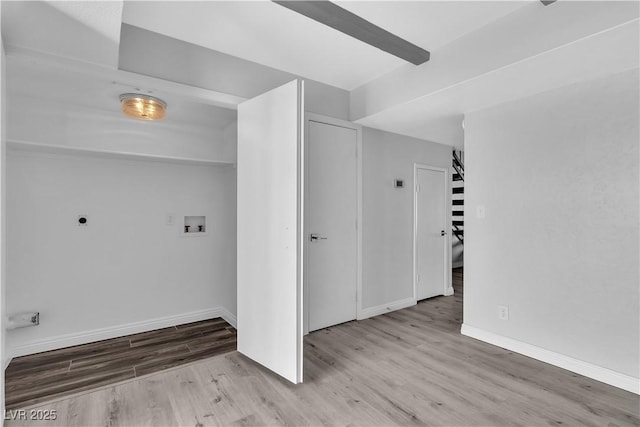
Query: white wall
[
  {"x": 323, "y": 99},
  {"x": 127, "y": 265},
  {"x": 558, "y": 176},
  {"x": 388, "y": 212},
  {"x": 3, "y": 145},
  {"x": 78, "y": 126},
  {"x": 230, "y": 138}
]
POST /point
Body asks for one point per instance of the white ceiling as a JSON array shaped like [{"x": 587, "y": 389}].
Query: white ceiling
[
  {"x": 85, "y": 30},
  {"x": 483, "y": 52},
  {"x": 533, "y": 50},
  {"x": 438, "y": 116},
  {"x": 101, "y": 16},
  {"x": 34, "y": 79},
  {"x": 432, "y": 24},
  {"x": 269, "y": 34}
]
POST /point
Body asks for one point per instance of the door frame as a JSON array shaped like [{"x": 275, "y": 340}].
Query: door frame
[
  {"x": 319, "y": 118},
  {"x": 447, "y": 287}
]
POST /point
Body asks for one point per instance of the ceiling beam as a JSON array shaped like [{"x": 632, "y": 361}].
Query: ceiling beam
[{"x": 340, "y": 19}]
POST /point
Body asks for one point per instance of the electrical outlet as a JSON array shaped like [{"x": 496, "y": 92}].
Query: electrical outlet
[
  {"x": 503, "y": 312},
  {"x": 22, "y": 320}
]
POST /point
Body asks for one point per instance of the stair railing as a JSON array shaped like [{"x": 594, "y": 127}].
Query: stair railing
[
  {"x": 457, "y": 165},
  {"x": 458, "y": 233},
  {"x": 459, "y": 168}
]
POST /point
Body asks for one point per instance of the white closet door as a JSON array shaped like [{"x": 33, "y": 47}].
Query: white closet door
[
  {"x": 431, "y": 232},
  {"x": 331, "y": 196},
  {"x": 269, "y": 182}
]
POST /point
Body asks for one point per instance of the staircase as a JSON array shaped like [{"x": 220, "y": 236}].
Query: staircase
[{"x": 457, "y": 206}]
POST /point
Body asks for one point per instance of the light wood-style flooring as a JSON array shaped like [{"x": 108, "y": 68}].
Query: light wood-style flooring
[
  {"x": 43, "y": 376},
  {"x": 409, "y": 367}
]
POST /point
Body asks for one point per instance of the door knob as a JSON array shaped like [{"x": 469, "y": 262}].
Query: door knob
[
  {"x": 443, "y": 233},
  {"x": 316, "y": 236}
]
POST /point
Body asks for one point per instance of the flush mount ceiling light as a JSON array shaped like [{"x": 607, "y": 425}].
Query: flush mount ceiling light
[{"x": 143, "y": 107}]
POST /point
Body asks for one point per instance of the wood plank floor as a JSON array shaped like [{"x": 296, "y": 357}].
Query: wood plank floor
[
  {"x": 409, "y": 367},
  {"x": 44, "y": 376}
]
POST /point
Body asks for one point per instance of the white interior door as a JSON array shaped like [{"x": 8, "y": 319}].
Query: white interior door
[
  {"x": 270, "y": 194},
  {"x": 431, "y": 232},
  {"x": 331, "y": 205}
]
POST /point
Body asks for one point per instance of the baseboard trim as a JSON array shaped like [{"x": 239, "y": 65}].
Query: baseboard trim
[
  {"x": 229, "y": 317},
  {"x": 598, "y": 373},
  {"x": 386, "y": 308},
  {"x": 448, "y": 292},
  {"x": 85, "y": 337}
]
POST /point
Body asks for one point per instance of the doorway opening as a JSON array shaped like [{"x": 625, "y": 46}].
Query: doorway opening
[{"x": 431, "y": 237}]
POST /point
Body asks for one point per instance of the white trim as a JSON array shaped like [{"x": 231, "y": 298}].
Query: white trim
[
  {"x": 229, "y": 317},
  {"x": 305, "y": 254},
  {"x": 93, "y": 335},
  {"x": 6, "y": 363},
  {"x": 301, "y": 244},
  {"x": 598, "y": 373},
  {"x": 360, "y": 229},
  {"x": 386, "y": 308},
  {"x": 309, "y": 117},
  {"x": 447, "y": 285}
]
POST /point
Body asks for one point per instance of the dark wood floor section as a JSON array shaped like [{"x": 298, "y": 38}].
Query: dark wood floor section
[{"x": 40, "y": 377}]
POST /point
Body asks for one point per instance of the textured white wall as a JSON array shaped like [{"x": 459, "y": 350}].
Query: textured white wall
[
  {"x": 557, "y": 174},
  {"x": 127, "y": 265},
  {"x": 387, "y": 239}
]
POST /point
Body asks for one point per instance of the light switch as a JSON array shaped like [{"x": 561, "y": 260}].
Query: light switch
[
  {"x": 171, "y": 219},
  {"x": 480, "y": 211}
]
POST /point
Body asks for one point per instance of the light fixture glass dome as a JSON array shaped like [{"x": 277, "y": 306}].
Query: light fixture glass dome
[{"x": 143, "y": 107}]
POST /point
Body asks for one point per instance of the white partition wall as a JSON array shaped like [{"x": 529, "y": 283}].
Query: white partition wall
[
  {"x": 4, "y": 360},
  {"x": 269, "y": 230}
]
